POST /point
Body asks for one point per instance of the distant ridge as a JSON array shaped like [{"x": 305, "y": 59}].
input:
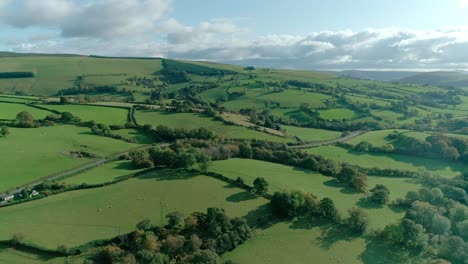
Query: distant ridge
[
  {"x": 385, "y": 76},
  {"x": 441, "y": 78}
]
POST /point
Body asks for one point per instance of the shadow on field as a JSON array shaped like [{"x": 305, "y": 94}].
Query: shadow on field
[
  {"x": 42, "y": 256},
  {"x": 427, "y": 163},
  {"x": 241, "y": 197},
  {"x": 167, "y": 175},
  {"x": 124, "y": 166},
  {"x": 377, "y": 248},
  {"x": 334, "y": 233},
  {"x": 343, "y": 189},
  {"x": 366, "y": 204},
  {"x": 260, "y": 217}
]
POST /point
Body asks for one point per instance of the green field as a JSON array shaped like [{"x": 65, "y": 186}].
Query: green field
[
  {"x": 390, "y": 161},
  {"x": 30, "y": 154},
  {"x": 9, "y": 111},
  {"x": 192, "y": 121},
  {"x": 105, "y": 173},
  {"x": 101, "y": 115},
  {"x": 337, "y": 113},
  {"x": 311, "y": 134},
  {"x": 77, "y": 217},
  {"x": 282, "y": 177},
  {"x": 55, "y": 73}
]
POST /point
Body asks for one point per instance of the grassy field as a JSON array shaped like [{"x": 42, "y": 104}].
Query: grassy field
[
  {"x": 55, "y": 73},
  {"x": 136, "y": 134},
  {"x": 13, "y": 256},
  {"x": 105, "y": 173},
  {"x": 337, "y": 113},
  {"x": 102, "y": 115},
  {"x": 295, "y": 243},
  {"x": 192, "y": 121},
  {"x": 9, "y": 111},
  {"x": 30, "y": 154},
  {"x": 311, "y": 134},
  {"x": 378, "y": 138},
  {"x": 390, "y": 161},
  {"x": 282, "y": 177},
  {"x": 77, "y": 217}
]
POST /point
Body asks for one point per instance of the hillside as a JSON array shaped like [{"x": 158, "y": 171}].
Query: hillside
[
  {"x": 385, "y": 76},
  {"x": 151, "y": 160},
  {"x": 455, "y": 79}
]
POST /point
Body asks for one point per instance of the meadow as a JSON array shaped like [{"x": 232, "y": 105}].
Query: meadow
[
  {"x": 311, "y": 134},
  {"x": 101, "y": 115},
  {"x": 77, "y": 217},
  {"x": 30, "y": 154},
  {"x": 390, "y": 161},
  {"x": 55, "y": 73},
  {"x": 193, "y": 121},
  {"x": 107, "y": 172},
  {"x": 281, "y": 178},
  {"x": 10, "y": 110}
]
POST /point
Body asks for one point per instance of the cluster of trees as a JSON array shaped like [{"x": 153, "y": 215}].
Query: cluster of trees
[
  {"x": 24, "y": 119},
  {"x": 193, "y": 68},
  {"x": 435, "y": 222},
  {"x": 181, "y": 157},
  {"x": 289, "y": 205},
  {"x": 352, "y": 177},
  {"x": 169, "y": 134},
  {"x": 89, "y": 89},
  {"x": 197, "y": 238},
  {"x": 435, "y": 146}
]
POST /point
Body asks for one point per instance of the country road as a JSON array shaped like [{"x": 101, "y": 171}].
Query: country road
[
  {"x": 329, "y": 142},
  {"x": 76, "y": 170}
]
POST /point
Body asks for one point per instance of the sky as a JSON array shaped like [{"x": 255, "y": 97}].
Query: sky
[{"x": 300, "y": 34}]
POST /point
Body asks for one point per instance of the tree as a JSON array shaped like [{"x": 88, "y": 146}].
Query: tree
[
  {"x": 144, "y": 225},
  {"x": 245, "y": 150},
  {"x": 358, "y": 220},
  {"x": 25, "y": 119},
  {"x": 380, "y": 194},
  {"x": 204, "y": 161},
  {"x": 174, "y": 243},
  {"x": 185, "y": 160},
  {"x": 328, "y": 210},
  {"x": 205, "y": 257},
  {"x": 174, "y": 219},
  {"x": 363, "y": 146},
  {"x": 359, "y": 182},
  {"x": 4, "y": 131},
  {"x": 260, "y": 186},
  {"x": 450, "y": 153}
]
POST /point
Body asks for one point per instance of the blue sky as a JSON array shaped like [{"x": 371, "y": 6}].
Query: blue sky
[
  {"x": 332, "y": 34},
  {"x": 304, "y": 16}
]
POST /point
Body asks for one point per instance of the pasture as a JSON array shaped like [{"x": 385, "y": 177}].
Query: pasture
[
  {"x": 281, "y": 177},
  {"x": 311, "y": 134},
  {"x": 105, "y": 173},
  {"x": 292, "y": 242},
  {"x": 77, "y": 217},
  {"x": 10, "y": 110},
  {"x": 55, "y": 73},
  {"x": 101, "y": 115},
  {"x": 33, "y": 153},
  {"x": 390, "y": 161},
  {"x": 193, "y": 121}
]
